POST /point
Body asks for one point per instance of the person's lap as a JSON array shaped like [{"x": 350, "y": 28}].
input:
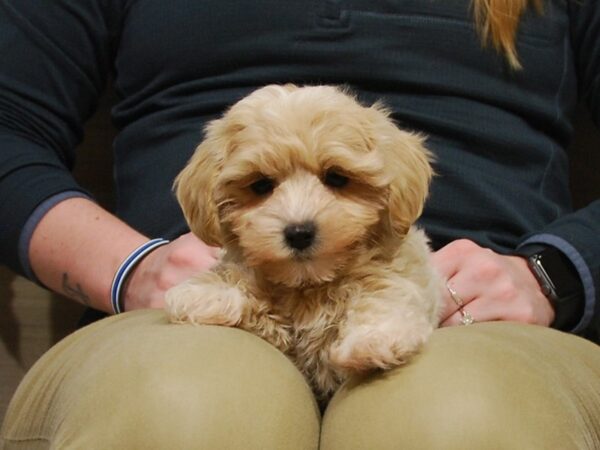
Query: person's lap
[
  {"x": 484, "y": 386},
  {"x": 135, "y": 381}
]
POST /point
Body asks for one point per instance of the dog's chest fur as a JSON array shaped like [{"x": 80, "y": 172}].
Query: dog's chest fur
[{"x": 303, "y": 324}]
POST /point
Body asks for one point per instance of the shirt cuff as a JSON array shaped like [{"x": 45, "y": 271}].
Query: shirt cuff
[
  {"x": 32, "y": 222},
  {"x": 582, "y": 269}
]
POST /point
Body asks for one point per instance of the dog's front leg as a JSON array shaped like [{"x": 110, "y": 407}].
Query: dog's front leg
[
  {"x": 383, "y": 329},
  {"x": 206, "y": 299},
  {"x": 210, "y": 299}
]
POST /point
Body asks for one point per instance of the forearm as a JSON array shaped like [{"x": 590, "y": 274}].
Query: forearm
[{"x": 76, "y": 249}]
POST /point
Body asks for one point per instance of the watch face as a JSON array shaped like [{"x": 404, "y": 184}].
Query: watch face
[{"x": 556, "y": 274}]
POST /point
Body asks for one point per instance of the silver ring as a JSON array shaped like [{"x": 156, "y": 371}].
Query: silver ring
[
  {"x": 457, "y": 299},
  {"x": 466, "y": 317}
]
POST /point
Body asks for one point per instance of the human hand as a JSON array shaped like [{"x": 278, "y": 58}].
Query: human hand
[
  {"x": 165, "y": 267},
  {"x": 491, "y": 286}
]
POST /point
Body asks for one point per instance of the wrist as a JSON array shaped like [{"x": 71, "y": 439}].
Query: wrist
[
  {"x": 558, "y": 281},
  {"x": 120, "y": 280}
]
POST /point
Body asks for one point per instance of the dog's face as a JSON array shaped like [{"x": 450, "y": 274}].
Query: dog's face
[{"x": 299, "y": 179}]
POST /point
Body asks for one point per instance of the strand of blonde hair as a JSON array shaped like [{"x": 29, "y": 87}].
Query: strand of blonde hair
[{"x": 497, "y": 22}]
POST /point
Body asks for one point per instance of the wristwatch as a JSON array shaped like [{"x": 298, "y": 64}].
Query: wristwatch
[{"x": 559, "y": 282}]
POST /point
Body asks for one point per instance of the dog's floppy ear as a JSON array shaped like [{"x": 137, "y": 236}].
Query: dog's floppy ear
[
  {"x": 408, "y": 166},
  {"x": 195, "y": 186}
]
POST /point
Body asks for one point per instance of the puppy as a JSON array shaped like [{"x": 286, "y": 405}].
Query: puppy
[{"x": 313, "y": 198}]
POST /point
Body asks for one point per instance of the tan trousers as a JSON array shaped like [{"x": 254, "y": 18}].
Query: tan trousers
[{"x": 136, "y": 382}]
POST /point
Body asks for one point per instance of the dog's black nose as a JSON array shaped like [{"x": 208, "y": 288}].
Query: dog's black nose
[{"x": 301, "y": 235}]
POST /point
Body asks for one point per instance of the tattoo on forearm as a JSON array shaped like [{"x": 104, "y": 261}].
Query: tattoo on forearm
[{"x": 74, "y": 292}]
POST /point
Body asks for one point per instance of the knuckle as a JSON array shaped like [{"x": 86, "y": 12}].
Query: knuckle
[
  {"x": 526, "y": 314},
  {"x": 464, "y": 246},
  {"x": 489, "y": 270},
  {"x": 183, "y": 257},
  {"x": 178, "y": 256},
  {"x": 507, "y": 291},
  {"x": 165, "y": 280}
]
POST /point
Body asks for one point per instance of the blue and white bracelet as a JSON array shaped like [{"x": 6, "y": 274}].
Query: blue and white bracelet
[{"x": 127, "y": 266}]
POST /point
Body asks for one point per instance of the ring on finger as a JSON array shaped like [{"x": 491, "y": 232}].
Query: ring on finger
[
  {"x": 466, "y": 317},
  {"x": 457, "y": 298}
]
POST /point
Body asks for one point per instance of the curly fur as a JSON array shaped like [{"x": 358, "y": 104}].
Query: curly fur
[{"x": 363, "y": 295}]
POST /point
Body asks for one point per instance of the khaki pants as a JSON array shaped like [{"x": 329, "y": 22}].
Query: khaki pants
[{"x": 136, "y": 382}]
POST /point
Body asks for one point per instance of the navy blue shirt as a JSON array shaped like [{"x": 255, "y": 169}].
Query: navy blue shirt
[{"x": 499, "y": 135}]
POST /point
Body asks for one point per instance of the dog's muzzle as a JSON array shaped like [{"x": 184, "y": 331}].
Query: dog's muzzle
[{"x": 300, "y": 236}]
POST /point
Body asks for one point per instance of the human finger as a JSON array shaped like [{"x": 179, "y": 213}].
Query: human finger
[
  {"x": 523, "y": 308},
  {"x": 455, "y": 297}
]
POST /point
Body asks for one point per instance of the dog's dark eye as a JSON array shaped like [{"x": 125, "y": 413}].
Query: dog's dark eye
[
  {"x": 335, "y": 179},
  {"x": 263, "y": 186}
]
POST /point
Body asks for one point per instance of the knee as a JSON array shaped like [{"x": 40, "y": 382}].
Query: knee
[
  {"x": 157, "y": 385},
  {"x": 490, "y": 386}
]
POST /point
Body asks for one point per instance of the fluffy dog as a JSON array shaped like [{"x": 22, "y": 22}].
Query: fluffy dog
[{"x": 313, "y": 198}]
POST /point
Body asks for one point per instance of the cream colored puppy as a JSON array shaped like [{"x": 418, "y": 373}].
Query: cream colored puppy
[{"x": 313, "y": 198}]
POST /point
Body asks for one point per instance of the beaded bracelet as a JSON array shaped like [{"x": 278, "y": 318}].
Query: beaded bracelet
[{"x": 127, "y": 266}]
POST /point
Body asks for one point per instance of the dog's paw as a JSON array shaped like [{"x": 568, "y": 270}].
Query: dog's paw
[
  {"x": 366, "y": 349},
  {"x": 205, "y": 303}
]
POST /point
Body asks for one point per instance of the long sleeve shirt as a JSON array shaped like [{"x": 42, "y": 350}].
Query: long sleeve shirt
[{"x": 499, "y": 135}]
